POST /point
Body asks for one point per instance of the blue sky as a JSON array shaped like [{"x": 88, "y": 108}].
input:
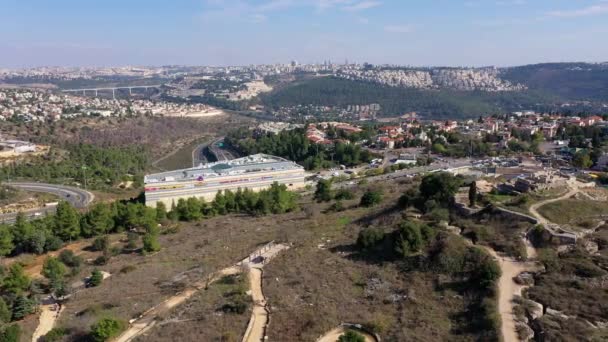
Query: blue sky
[{"x": 236, "y": 32}]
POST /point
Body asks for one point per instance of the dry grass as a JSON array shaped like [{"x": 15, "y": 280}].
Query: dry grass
[
  {"x": 573, "y": 211},
  {"x": 310, "y": 289}
]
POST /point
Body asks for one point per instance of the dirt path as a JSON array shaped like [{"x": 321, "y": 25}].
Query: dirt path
[
  {"x": 148, "y": 319},
  {"x": 256, "y": 329},
  {"x": 534, "y": 207},
  {"x": 48, "y": 316},
  {"x": 507, "y": 288},
  {"x": 334, "y": 335}
]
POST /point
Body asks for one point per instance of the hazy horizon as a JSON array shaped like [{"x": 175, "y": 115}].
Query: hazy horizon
[{"x": 245, "y": 32}]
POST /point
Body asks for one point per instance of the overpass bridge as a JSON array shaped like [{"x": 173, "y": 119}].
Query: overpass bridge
[{"x": 113, "y": 89}]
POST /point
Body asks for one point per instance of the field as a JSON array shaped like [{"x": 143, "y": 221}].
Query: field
[{"x": 572, "y": 211}]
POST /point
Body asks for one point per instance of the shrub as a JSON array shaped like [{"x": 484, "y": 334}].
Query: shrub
[
  {"x": 96, "y": 278},
  {"x": 151, "y": 243},
  {"x": 336, "y": 207},
  {"x": 351, "y": 336},
  {"x": 10, "y": 333},
  {"x": 5, "y": 312},
  {"x": 101, "y": 260},
  {"x": 55, "y": 335},
  {"x": 371, "y": 198},
  {"x": 127, "y": 269},
  {"x": 106, "y": 329},
  {"x": 100, "y": 244},
  {"x": 53, "y": 243},
  {"x": 69, "y": 258},
  {"x": 344, "y": 194},
  {"x": 369, "y": 238}
]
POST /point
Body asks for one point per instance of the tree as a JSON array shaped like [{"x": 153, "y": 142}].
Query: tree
[
  {"x": 98, "y": 221},
  {"x": 371, "y": 198},
  {"x": 69, "y": 258},
  {"x": 5, "y": 312},
  {"x": 410, "y": 239},
  {"x": 22, "y": 307},
  {"x": 473, "y": 194},
  {"x": 106, "y": 328},
  {"x": 6, "y": 240},
  {"x": 151, "y": 243},
  {"x": 369, "y": 238},
  {"x": 101, "y": 244},
  {"x": 22, "y": 230},
  {"x": 440, "y": 186},
  {"x": 10, "y": 333},
  {"x": 16, "y": 280},
  {"x": 96, "y": 278},
  {"x": 161, "y": 211},
  {"x": 67, "y": 225},
  {"x": 54, "y": 270},
  {"x": 323, "y": 191},
  {"x": 582, "y": 160}
]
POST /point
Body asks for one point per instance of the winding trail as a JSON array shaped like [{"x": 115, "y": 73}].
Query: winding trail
[
  {"x": 507, "y": 287},
  {"x": 148, "y": 319},
  {"x": 534, "y": 207},
  {"x": 256, "y": 329},
  {"x": 49, "y": 313}
]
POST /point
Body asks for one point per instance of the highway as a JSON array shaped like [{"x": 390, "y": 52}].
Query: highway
[
  {"x": 30, "y": 214},
  {"x": 79, "y": 198},
  {"x": 220, "y": 153}
]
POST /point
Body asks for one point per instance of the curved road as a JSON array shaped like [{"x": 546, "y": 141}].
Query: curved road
[{"x": 78, "y": 198}]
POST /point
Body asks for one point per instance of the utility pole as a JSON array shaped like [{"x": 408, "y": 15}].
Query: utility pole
[{"x": 84, "y": 175}]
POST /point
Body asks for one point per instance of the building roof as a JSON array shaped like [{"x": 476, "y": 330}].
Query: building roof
[{"x": 249, "y": 164}]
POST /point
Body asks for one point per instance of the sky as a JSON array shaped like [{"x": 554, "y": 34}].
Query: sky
[{"x": 242, "y": 32}]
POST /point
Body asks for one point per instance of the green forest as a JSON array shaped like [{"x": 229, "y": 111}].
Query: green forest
[
  {"x": 294, "y": 145},
  {"x": 333, "y": 91},
  {"x": 101, "y": 167}
]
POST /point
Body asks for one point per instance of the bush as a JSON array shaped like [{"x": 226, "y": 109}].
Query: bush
[
  {"x": 101, "y": 260},
  {"x": 70, "y": 259},
  {"x": 151, "y": 243},
  {"x": 106, "y": 329},
  {"x": 128, "y": 268},
  {"x": 336, "y": 207},
  {"x": 55, "y": 335},
  {"x": 439, "y": 215},
  {"x": 369, "y": 238},
  {"x": 351, "y": 336},
  {"x": 10, "y": 333},
  {"x": 238, "y": 304},
  {"x": 100, "y": 244},
  {"x": 371, "y": 198},
  {"x": 344, "y": 194},
  {"x": 96, "y": 278},
  {"x": 53, "y": 243},
  {"x": 5, "y": 312}
]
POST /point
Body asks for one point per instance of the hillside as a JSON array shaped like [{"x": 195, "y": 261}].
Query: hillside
[
  {"x": 569, "y": 81},
  {"x": 444, "y": 103}
]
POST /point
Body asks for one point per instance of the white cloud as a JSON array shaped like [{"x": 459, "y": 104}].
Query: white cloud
[
  {"x": 399, "y": 28},
  {"x": 361, "y": 6},
  {"x": 581, "y": 12}
]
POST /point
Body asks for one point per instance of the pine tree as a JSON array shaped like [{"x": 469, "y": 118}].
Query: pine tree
[
  {"x": 473, "y": 194},
  {"x": 67, "y": 225}
]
